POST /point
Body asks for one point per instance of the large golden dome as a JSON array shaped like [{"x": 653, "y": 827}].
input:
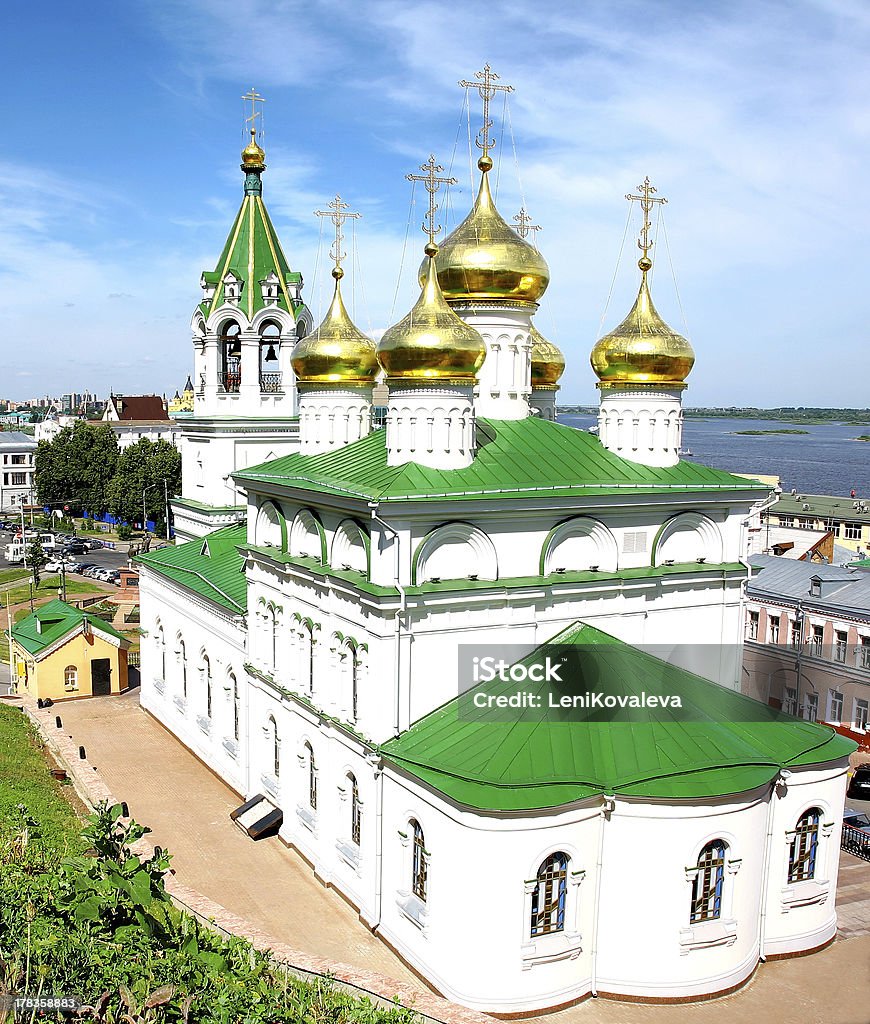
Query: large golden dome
[
  {"x": 548, "y": 363},
  {"x": 253, "y": 157},
  {"x": 336, "y": 352},
  {"x": 643, "y": 349},
  {"x": 431, "y": 343},
  {"x": 484, "y": 258}
]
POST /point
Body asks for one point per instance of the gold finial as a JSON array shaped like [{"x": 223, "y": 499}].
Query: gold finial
[
  {"x": 433, "y": 183},
  {"x": 486, "y": 89},
  {"x": 254, "y": 98},
  {"x": 338, "y": 214},
  {"x": 646, "y": 204},
  {"x": 525, "y": 225}
]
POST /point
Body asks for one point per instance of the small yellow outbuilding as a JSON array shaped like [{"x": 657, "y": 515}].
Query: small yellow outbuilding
[{"x": 62, "y": 652}]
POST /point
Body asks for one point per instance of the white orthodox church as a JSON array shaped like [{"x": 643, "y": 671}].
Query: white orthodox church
[{"x": 302, "y": 638}]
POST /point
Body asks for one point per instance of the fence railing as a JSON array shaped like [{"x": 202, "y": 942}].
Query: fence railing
[
  {"x": 855, "y": 841},
  {"x": 230, "y": 380},
  {"x": 270, "y": 383},
  {"x": 134, "y": 659}
]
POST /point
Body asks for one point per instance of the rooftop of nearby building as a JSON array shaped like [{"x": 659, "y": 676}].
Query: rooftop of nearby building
[
  {"x": 52, "y": 622},
  {"x": 135, "y": 407},
  {"x": 524, "y": 458},
  {"x": 15, "y": 440},
  {"x": 841, "y": 586},
  {"x": 721, "y": 743},
  {"x": 823, "y": 506}
]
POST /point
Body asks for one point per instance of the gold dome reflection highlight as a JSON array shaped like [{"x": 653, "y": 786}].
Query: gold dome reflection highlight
[{"x": 548, "y": 363}]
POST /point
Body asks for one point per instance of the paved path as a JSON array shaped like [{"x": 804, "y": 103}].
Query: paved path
[{"x": 188, "y": 808}]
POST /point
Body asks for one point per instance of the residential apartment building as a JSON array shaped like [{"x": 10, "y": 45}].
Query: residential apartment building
[
  {"x": 16, "y": 469},
  {"x": 807, "y": 645},
  {"x": 848, "y": 519}
]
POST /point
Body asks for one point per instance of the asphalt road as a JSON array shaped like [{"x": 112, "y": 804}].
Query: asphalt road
[{"x": 107, "y": 557}]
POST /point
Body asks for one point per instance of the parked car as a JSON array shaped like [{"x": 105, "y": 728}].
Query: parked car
[
  {"x": 857, "y": 819},
  {"x": 76, "y": 547},
  {"x": 859, "y": 785},
  {"x": 93, "y": 544}
]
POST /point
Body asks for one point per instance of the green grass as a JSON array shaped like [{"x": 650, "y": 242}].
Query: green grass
[
  {"x": 25, "y": 779},
  {"x": 48, "y": 587},
  {"x": 10, "y": 575}
]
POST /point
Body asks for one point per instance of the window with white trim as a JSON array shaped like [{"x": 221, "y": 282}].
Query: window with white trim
[
  {"x": 708, "y": 883},
  {"x": 234, "y": 686},
  {"x": 355, "y": 811},
  {"x": 817, "y": 636},
  {"x": 811, "y": 707},
  {"x": 840, "y": 640},
  {"x": 795, "y": 632},
  {"x": 752, "y": 626},
  {"x": 852, "y": 531},
  {"x": 550, "y": 895},
  {"x": 789, "y": 704},
  {"x": 70, "y": 678},
  {"x": 312, "y": 777},
  {"x": 860, "y": 715},
  {"x": 419, "y": 862},
  {"x": 773, "y": 629},
  {"x": 835, "y": 706},
  {"x": 864, "y": 652},
  {"x": 804, "y": 847}
]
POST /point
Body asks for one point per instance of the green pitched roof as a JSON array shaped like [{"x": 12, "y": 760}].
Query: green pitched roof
[
  {"x": 732, "y": 744},
  {"x": 209, "y": 566},
  {"x": 515, "y": 458},
  {"x": 52, "y": 622},
  {"x": 252, "y": 251}
]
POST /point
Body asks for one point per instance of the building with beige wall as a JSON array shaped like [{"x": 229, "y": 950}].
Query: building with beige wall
[
  {"x": 848, "y": 519},
  {"x": 63, "y": 653}
]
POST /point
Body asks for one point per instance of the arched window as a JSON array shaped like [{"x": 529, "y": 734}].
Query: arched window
[
  {"x": 235, "y": 688},
  {"x": 708, "y": 883},
  {"x": 355, "y": 810},
  {"x": 270, "y": 346},
  {"x": 312, "y": 778},
  {"x": 419, "y": 862},
  {"x": 354, "y": 684},
  {"x": 230, "y": 345},
  {"x": 276, "y": 759},
  {"x": 161, "y": 649},
  {"x": 548, "y": 898},
  {"x": 182, "y": 660},
  {"x": 804, "y": 847},
  {"x": 71, "y": 678},
  {"x": 308, "y": 634},
  {"x": 206, "y": 678}
]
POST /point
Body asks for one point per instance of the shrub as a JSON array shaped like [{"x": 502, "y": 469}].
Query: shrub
[{"x": 125, "y": 531}]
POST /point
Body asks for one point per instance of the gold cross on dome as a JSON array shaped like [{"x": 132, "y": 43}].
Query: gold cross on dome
[
  {"x": 486, "y": 89},
  {"x": 524, "y": 223},
  {"x": 254, "y": 97},
  {"x": 433, "y": 183},
  {"x": 338, "y": 213},
  {"x": 646, "y": 201}
]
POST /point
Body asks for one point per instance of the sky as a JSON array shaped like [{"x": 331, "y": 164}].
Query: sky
[{"x": 120, "y": 177}]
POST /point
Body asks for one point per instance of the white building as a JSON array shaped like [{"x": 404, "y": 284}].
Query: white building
[
  {"x": 309, "y": 654},
  {"x": 17, "y": 451}
]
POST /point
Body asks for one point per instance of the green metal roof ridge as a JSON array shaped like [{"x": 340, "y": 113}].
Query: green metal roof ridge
[
  {"x": 491, "y": 764},
  {"x": 64, "y": 619}
]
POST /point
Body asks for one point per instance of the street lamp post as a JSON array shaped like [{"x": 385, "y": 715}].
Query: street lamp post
[{"x": 165, "y": 504}]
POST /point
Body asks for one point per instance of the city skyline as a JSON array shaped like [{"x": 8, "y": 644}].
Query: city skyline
[{"x": 128, "y": 191}]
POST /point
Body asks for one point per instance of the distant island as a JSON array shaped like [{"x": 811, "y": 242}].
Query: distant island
[
  {"x": 764, "y": 433},
  {"x": 801, "y": 414},
  {"x": 863, "y": 437}
]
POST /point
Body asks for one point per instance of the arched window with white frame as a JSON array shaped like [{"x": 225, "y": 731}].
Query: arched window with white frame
[
  {"x": 312, "y": 777},
  {"x": 206, "y": 684},
  {"x": 70, "y": 678},
  {"x": 708, "y": 883},
  {"x": 161, "y": 651},
  {"x": 234, "y": 688},
  {"x": 182, "y": 661},
  {"x": 550, "y": 895},
  {"x": 355, "y": 810},
  {"x": 804, "y": 847},
  {"x": 276, "y": 753},
  {"x": 419, "y": 861}
]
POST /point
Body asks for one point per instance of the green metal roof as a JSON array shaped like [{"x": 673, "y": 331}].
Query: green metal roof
[
  {"x": 732, "y": 744},
  {"x": 209, "y": 566},
  {"x": 515, "y": 458},
  {"x": 52, "y": 622},
  {"x": 252, "y": 251},
  {"x": 828, "y": 506}
]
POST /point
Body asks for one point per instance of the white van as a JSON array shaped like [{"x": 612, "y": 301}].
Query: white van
[{"x": 16, "y": 550}]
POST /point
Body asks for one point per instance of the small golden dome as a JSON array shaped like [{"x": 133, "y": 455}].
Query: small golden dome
[
  {"x": 253, "y": 157},
  {"x": 643, "y": 349},
  {"x": 548, "y": 363},
  {"x": 431, "y": 342},
  {"x": 337, "y": 352},
  {"x": 484, "y": 258}
]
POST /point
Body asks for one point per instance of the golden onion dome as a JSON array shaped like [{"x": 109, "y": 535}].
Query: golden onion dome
[
  {"x": 643, "y": 349},
  {"x": 253, "y": 157},
  {"x": 484, "y": 258},
  {"x": 336, "y": 352},
  {"x": 548, "y": 363},
  {"x": 431, "y": 343}
]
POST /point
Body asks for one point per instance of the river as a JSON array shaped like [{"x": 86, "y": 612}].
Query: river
[{"x": 825, "y": 460}]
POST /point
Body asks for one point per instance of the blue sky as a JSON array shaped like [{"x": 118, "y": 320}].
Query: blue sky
[{"x": 120, "y": 179}]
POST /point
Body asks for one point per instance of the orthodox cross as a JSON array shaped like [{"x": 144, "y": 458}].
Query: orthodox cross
[
  {"x": 525, "y": 225},
  {"x": 338, "y": 214},
  {"x": 486, "y": 89},
  {"x": 254, "y": 97},
  {"x": 646, "y": 204},
  {"x": 433, "y": 183}
]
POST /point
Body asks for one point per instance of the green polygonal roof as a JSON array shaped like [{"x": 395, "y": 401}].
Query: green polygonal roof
[
  {"x": 209, "y": 566},
  {"x": 733, "y": 744},
  {"x": 525, "y": 458},
  {"x": 252, "y": 252},
  {"x": 55, "y": 620}
]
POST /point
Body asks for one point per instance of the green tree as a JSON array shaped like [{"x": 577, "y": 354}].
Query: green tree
[
  {"x": 77, "y": 467},
  {"x": 141, "y": 470},
  {"x": 36, "y": 559}
]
